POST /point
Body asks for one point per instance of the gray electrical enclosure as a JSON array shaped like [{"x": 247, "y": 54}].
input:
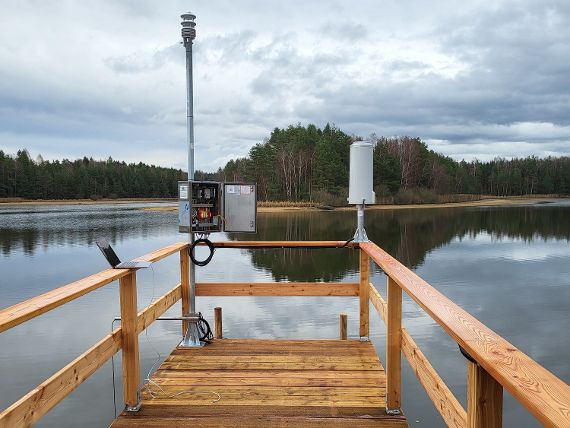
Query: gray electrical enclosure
[
  {"x": 240, "y": 207},
  {"x": 206, "y": 206}
]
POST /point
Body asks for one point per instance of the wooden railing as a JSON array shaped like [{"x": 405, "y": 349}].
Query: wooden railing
[{"x": 498, "y": 363}]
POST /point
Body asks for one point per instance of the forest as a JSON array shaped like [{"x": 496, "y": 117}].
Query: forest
[
  {"x": 307, "y": 163},
  {"x": 23, "y": 177},
  {"x": 299, "y": 163}
]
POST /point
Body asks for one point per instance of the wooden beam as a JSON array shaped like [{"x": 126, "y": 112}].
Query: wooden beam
[
  {"x": 185, "y": 287},
  {"x": 542, "y": 393},
  {"x": 218, "y": 322},
  {"x": 343, "y": 325},
  {"x": 277, "y": 289},
  {"x": 31, "y": 308},
  {"x": 378, "y": 302},
  {"x": 31, "y": 407},
  {"x": 36, "y": 403},
  {"x": 445, "y": 402},
  {"x": 131, "y": 364},
  {"x": 443, "y": 399},
  {"x": 149, "y": 314},
  {"x": 393, "y": 346},
  {"x": 484, "y": 399},
  {"x": 283, "y": 244},
  {"x": 364, "y": 294}
]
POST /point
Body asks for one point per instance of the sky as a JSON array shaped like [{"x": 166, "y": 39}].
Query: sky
[{"x": 473, "y": 79}]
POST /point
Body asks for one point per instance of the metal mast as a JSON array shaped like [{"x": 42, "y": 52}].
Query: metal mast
[{"x": 192, "y": 336}]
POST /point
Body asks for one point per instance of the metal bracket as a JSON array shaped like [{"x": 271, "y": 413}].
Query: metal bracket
[
  {"x": 135, "y": 408},
  {"x": 467, "y": 356},
  {"x": 192, "y": 336},
  {"x": 393, "y": 412},
  {"x": 364, "y": 339}
]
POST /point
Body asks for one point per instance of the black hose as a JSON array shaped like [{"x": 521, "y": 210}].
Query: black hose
[
  {"x": 207, "y": 259},
  {"x": 204, "y": 329}
]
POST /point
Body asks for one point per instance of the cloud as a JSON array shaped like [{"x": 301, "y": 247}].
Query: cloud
[{"x": 484, "y": 80}]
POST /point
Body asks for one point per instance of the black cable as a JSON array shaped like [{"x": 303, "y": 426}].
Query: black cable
[
  {"x": 204, "y": 329},
  {"x": 347, "y": 242},
  {"x": 208, "y": 259}
]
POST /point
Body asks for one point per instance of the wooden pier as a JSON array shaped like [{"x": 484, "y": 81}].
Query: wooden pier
[
  {"x": 245, "y": 383},
  {"x": 265, "y": 383}
]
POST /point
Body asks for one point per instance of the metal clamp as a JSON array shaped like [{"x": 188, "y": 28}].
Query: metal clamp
[
  {"x": 467, "y": 356},
  {"x": 136, "y": 407},
  {"x": 393, "y": 412}
]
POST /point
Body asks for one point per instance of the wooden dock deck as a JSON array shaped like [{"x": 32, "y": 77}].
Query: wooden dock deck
[{"x": 262, "y": 383}]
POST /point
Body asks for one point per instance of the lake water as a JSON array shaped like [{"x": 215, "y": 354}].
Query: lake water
[{"x": 508, "y": 266}]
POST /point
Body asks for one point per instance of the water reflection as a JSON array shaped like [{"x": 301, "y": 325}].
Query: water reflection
[{"x": 406, "y": 234}]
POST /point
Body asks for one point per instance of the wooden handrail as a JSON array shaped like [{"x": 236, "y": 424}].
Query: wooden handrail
[
  {"x": 283, "y": 244},
  {"x": 542, "y": 393},
  {"x": 31, "y": 308},
  {"x": 36, "y": 403},
  {"x": 277, "y": 289},
  {"x": 443, "y": 399}
]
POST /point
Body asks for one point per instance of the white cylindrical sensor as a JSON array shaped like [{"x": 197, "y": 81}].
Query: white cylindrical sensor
[{"x": 361, "y": 186}]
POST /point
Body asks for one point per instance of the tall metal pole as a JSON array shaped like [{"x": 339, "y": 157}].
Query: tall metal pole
[{"x": 192, "y": 336}]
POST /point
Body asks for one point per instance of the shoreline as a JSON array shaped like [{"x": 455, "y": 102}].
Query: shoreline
[
  {"x": 488, "y": 202},
  {"x": 117, "y": 201}
]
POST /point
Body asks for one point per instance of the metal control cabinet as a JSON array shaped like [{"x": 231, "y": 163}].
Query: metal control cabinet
[
  {"x": 240, "y": 207},
  {"x": 206, "y": 206}
]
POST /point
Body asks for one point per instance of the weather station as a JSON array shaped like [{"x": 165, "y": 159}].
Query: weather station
[{"x": 206, "y": 207}]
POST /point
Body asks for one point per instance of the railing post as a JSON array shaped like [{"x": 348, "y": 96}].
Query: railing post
[
  {"x": 218, "y": 323},
  {"x": 130, "y": 340},
  {"x": 184, "y": 286},
  {"x": 484, "y": 399},
  {"x": 343, "y": 325},
  {"x": 393, "y": 347},
  {"x": 364, "y": 294}
]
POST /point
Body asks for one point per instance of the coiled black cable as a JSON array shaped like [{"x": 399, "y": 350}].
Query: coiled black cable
[
  {"x": 204, "y": 329},
  {"x": 207, "y": 259}
]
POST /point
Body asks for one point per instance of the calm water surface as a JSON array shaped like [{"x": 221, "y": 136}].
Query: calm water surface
[{"x": 509, "y": 267}]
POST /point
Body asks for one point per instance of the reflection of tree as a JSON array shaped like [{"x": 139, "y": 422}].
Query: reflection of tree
[
  {"x": 406, "y": 234},
  {"x": 42, "y": 227}
]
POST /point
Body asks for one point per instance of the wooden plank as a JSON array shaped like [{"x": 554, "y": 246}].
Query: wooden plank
[
  {"x": 36, "y": 403},
  {"x": 185, "y": 287},
  {"x": 288, "y": 374},
  {"x": 343, "y": 321},
  {"x": 153, "y": 410},
  {"x": 283, "y": 244},
  {"x": 149, "y": 314},
  {"x": 393, "y": 346},
  {"x": 445, "y": 402},
  {"x": 364, "y": 294},
  {"x": 31, "y": 308},
  {"x": 218, "y": 323},
  {"x": 277, "y": 289},
  {"x": 484, "y": 399},
  {"x": 354, "y": 381},
  {"x": 542, "y": 393},
  {"x": 131, "y": 364},
  {"x": 378, "y": 302},
  {"x": 260, "y": 422}
]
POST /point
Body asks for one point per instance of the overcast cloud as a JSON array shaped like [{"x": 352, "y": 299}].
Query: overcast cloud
[{"x": 474, "y": 79}]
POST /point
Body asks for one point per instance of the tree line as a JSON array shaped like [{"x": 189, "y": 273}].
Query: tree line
[
  {"x": 308, "y": 163},
  {"x": 298, "y": 163},
  {"x": 23, "y": 177}
]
